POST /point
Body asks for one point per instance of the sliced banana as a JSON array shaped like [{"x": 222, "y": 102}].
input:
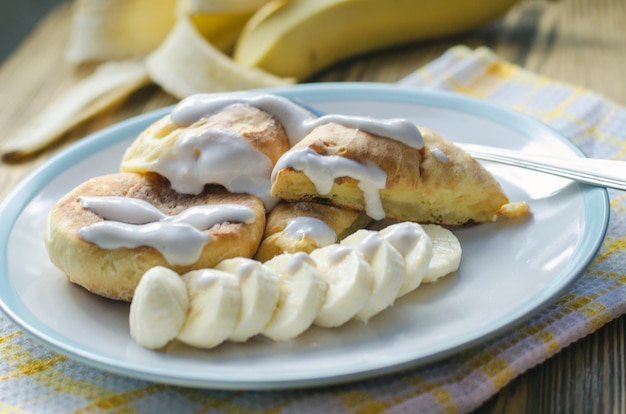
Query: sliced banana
[
  {"x": 416, "y": 248},
  {"x": 348, "y": 276},
  {"x": 302, "y": 292},
  {"x": 259, "y": 295},
  {"x": 387, "y": 270},
  {"x": 214, "y": 305},
  {"x": 185, "y": 64},
  {"x": 159, "y": 308},
  {"x": 447, "y": 252}
]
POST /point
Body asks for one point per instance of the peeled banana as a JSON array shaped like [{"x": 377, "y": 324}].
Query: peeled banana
[
  {"x": 186, "y": 64},
  {"x": 300, "y": 37}
]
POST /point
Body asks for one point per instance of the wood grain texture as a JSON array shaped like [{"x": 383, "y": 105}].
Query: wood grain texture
[{"x": 581, "y": 42}]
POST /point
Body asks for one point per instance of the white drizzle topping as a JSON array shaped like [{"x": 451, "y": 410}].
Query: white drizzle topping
[
  {"x": 439, "y": 155},
  {"x": 294, "y": 118},
  {"x": 131, "y": 223},
  {"x": 220, "y": 157},
  {"x": 322, "y": 170},
  {"x": 128, "y": 210},
  {"x": 300, "y": 227}
]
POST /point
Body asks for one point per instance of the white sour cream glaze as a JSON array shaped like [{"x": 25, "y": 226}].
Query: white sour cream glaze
[
  {"x": 300, "y": 227},
  {"x": 322, "y": 170},
  {"x": 132, "y": 223},
  {"x": 439, "y": 155},
  {"x": 217, "y": 157},
  {"x": 128, "y": 210},
  {"x": 294, "y": 118}
]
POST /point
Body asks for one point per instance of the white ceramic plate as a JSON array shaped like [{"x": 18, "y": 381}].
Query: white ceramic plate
[{"x": 509, "y": 270}]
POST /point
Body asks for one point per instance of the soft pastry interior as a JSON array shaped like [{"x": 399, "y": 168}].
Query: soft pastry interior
[{"x": 438, "y": 183}]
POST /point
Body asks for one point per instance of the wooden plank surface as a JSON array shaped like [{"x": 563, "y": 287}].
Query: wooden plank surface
[{"x": 582, "y": 42}]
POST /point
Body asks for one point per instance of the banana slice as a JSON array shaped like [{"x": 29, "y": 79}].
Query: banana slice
[
  {"x": 215, "y": 302},
  {"x": 185, "y": 64},
  {"x": 348, "y": 276},
  {"x": 387, "y": 270},
  {"x": 415, "y": 246},
  {"x": 447, "y": 252},
  {"x": 259, "y": 295},
  {"x": 159, "y": 308},
  {"x": 302, "y": 292}
]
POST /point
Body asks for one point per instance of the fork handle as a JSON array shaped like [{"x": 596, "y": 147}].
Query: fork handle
[{"x": 599, "y": 172}]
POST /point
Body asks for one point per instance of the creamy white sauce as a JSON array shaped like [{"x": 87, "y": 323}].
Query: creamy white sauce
[
  {"x": 397, "y": 129},
  {"x": 132, "y": 223},
  {"x": 217, "y": 156},
  {"x": 294, "y": 118},
  {"x": 439, "y": 155},
  {"x": 322, "y": 170},
  {"x": 128, "y": 210},
  {"x": 300, "y": 227}
]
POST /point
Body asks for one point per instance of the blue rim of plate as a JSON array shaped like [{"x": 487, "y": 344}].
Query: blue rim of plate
[{"x": 595, "y": 200}]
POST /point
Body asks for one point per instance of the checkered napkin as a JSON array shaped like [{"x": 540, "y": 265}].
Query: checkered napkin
[{"x": 35, "y": 379}]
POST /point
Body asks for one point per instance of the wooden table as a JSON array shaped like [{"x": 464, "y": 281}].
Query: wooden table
[{"x": 582, "y": 42}]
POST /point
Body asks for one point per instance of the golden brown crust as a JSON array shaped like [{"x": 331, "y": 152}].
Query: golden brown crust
[
  {"x": 258, "y": 128},
  {"x": 115, "y": 273},
  {"x": 420, "y": 187},
  {"x": 342, "y": 221}
]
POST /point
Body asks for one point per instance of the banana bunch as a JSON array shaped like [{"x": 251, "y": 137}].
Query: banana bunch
[
  {"x": 197, "y": 46},
  {"x": 281, "y": 298}
]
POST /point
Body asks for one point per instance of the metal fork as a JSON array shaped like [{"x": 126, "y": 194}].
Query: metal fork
[{"x": 598, "y": 172}]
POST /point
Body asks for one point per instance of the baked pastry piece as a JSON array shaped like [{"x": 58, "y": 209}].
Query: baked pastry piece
[
  {"x": 305, "y": 226},
  {"x": 114, "y": 271},
  {"x": 236, "y": 147},
  {"x": 437, "y": 183}
]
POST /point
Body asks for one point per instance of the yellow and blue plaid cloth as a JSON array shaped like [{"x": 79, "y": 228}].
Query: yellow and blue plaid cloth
[{"x": 35, "y": 379}]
